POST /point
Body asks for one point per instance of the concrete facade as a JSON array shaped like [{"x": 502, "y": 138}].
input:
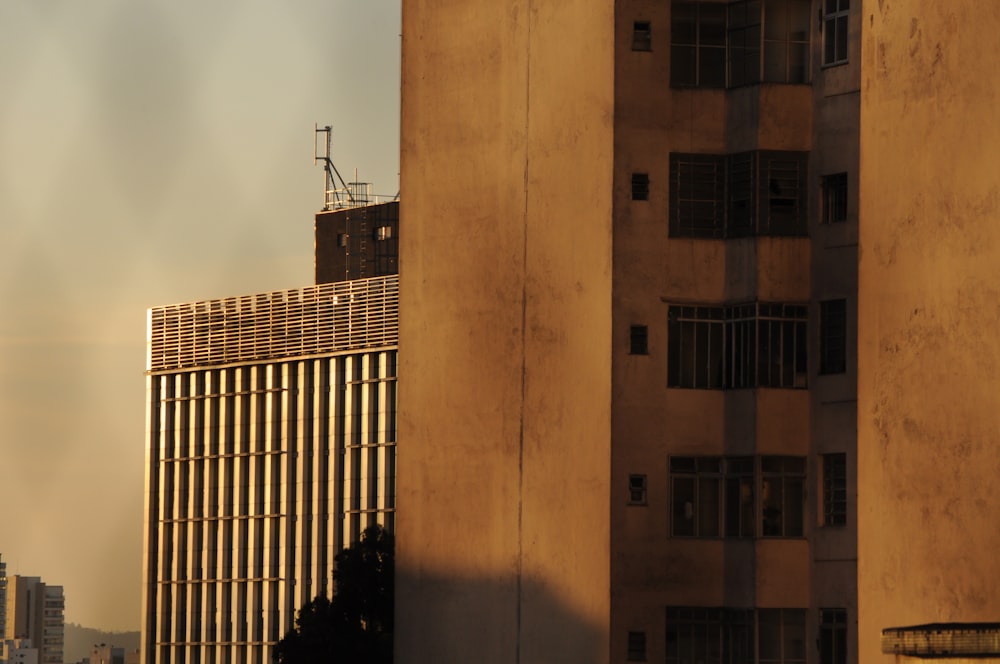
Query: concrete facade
[
  {"x": 929, "y": 364},
  {"x": 505, "y": 308},
  {"x": 550, "y": 428}
]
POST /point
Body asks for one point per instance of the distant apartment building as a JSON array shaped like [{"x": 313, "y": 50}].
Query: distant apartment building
[
  {"x": 18, "y": 651},
  {"x": 105, "y": 654},
  {"x": 271, "y": 429},
  {"x": 35, "y": 611}
]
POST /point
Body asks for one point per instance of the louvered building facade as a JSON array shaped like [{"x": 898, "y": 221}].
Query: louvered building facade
[{"x": 271, "y": 423}]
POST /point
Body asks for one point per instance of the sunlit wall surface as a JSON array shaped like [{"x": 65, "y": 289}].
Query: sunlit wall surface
[{"x": 271, "y": 446}]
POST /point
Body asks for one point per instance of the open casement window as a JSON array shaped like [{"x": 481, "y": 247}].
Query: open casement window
[
  {"x": 835, "y": 31},
  {"x": 834, "y": 198}
]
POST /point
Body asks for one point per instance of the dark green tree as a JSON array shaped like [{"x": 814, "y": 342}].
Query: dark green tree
[{"x": 355, "y": 627}]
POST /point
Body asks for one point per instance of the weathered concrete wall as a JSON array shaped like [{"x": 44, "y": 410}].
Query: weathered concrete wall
[
  {"x": 929, "y": 362},
  {"x": 505, "y": 313}
]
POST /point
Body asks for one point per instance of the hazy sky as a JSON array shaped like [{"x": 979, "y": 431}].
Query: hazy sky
[{"x": 152, "y": 152}]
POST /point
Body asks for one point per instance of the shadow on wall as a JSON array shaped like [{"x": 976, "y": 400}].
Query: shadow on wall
[{"x": 453, "y": 620}]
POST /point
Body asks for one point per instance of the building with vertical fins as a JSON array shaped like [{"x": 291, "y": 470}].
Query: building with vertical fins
[{"x": 271, "y": 429}]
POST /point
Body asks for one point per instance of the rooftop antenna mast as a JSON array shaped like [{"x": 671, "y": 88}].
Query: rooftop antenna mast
[{"x": 334, "y": 197}]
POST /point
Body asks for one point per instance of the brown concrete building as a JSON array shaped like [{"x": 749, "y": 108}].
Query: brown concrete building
[{"x": 653, "y": 409}]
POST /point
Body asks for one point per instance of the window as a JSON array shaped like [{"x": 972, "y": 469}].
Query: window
[
  {"x": 636, "y": 489},
  {"x": 833, "y": 636},
  {"x": 697, "y": 635},
  {"x": 383, "y": 232},
  {"x": 735, "y": 347},
  {"x": 782, "y": 495},
  {"x": 715, "y": 496},
  {"x": 638, "y": 340},
  {"x": 739, "y": 195},
  {"x": 781, "y": 636},
  {"x": 834, "y": 198},
  {"x": 768, "y": 41},
  {"x": 698, "y": 45},
  {"x": 640, "y": 187},
  {"x": 835, "y": 15},
  {"x": 342, "y": 239},
  {"x": 835, "y": 489},
  {"x": 781, "y": 345},
  {"x": 833, "y": 336},
  {"x": 695, "y": 347},
  {"x": 642, "y": 36},
  {"x": 637, "y": 646},
  {"x": 697, "y": 195}
]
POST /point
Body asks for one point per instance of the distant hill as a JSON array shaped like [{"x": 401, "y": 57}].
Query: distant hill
[{"x": 78, "y": 641}]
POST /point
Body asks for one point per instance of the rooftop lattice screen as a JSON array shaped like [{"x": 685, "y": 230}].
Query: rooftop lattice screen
[{"x": 327, "y": 318}]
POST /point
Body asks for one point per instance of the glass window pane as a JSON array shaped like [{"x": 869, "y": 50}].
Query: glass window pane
[
  {"x": 798, "y": 63},
  {"x": 712, "y": 67},
  {"x": 708, "y": 507},
  {"x": 775, "y": 20},
  {"x": 798, "y": 20},
  {"x": 683, "y": 23},
  {"x": 771, "y": 501},
  {"x": 841, "y": 31},
  {"x": 713, "y": 25},
  {"x": 829, "y": 41},
  {"x": 769, "y": 634},
  {"x": 683, "y": 506},
  {"x": 794, "y": 503},
  {"x": 794, "y": 635},
  {"x": 682, "y": 66},
  {"x": 775, "y": 62}
]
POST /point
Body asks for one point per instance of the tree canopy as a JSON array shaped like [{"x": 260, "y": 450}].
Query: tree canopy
[{"x": 356, "y": 625}]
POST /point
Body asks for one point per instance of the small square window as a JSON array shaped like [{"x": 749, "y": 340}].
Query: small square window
[
  {"x": 637, "y": 646},
  {"x": 636, "y": 489},
  {"x": 834, "y": 198},
  {"x": 640, "y": 187},
  {"x": 642, "y": 36},
  {"x": 639, "y": 340}
]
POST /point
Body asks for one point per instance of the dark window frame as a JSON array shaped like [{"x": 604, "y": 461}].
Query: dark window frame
[
  {"x": 835, "y": 25},
  {"x": 637, "y": 489},
  {"x": 834, "y": 203},
  {"x": 640, "y": 186},
  {"x": 642, "y": 36},
  {"x": 833, "y": 337},
  {"x": 768, "y": 41},
  {"x": 832, "y": 639},
  {"x": 698, "y": 49},
  {"x": 636, "y": 647},
  {"x": 741, "y": 346},
  {"x": 835, "y": 489},
  {"x": 638, "y": 340},
  {"x": 741, "y": 497},
  {"x": 745, "y": 194}
]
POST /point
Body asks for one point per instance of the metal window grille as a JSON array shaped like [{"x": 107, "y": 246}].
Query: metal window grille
[
  {"x": 692, "y": 632},
  {"x": 697, "y": 195},
  {"x": 835, "y": 489},
  {"x": 834, "y": 198}
]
